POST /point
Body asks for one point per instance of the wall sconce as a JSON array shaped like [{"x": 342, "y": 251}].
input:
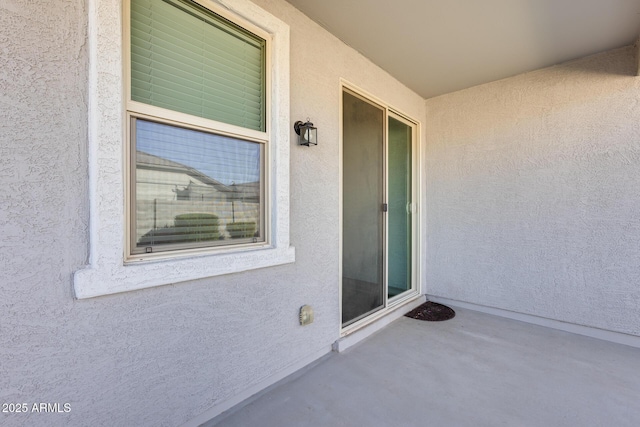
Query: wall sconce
[{"x": 307, "y": 134}]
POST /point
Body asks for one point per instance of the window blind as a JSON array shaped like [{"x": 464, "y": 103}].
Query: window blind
[{"x": 188, "y": 59}]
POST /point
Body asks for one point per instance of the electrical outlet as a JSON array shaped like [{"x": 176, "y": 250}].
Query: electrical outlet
[{"x": 306, "y": 315}]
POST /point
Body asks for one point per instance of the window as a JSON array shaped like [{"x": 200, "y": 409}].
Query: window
[
  {"x": 233, "y": 149},
  {"x": 197, "y": 115}
]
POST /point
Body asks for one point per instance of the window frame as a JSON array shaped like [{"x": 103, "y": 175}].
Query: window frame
[{"x": 110, "y": 267}]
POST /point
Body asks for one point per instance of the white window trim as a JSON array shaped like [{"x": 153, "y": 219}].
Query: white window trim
[{"x": 106, "y": 272}]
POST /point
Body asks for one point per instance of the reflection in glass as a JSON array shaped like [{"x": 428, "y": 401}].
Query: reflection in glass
[
  {"x": 194, "y": 188},
  {"x": 399, "y": 243},
  {"x": 363, "y": 227}
]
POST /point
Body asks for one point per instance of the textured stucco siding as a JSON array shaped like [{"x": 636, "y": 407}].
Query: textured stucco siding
[
  {"x": 163, "y": 355},
  {"x": 533, "y": 199}
]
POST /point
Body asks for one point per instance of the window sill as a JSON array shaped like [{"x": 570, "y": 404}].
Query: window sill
[
  {"x": 92, "y": 282},
  {"x": 194, "y": 252}
]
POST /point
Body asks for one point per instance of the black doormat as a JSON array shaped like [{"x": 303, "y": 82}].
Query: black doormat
[{"x": 432, "y": 312}]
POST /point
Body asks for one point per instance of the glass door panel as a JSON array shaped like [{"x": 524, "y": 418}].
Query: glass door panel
[
  {"x": 399, "y": 200},
  {"x": 363, "y": 276}
]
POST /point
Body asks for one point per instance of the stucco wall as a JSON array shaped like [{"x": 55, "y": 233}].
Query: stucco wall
[
  {"x": 159, "y": 356},
  {"x": 534, "y": 193}
]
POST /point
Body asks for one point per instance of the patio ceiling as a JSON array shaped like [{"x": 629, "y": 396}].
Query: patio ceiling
[{"x": 441, "y": 46}]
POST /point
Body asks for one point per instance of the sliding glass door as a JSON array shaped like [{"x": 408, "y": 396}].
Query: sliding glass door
[
  {"x": 378, "y": 207},
  {"x": 363, "y": 133},
  {"x": 400, "y": 239}
]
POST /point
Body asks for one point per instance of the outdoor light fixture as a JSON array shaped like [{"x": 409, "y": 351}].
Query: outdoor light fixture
[{"x": 307, "y": 134}]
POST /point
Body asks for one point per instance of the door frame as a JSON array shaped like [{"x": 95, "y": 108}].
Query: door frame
[{"x": 389, "y": 303}]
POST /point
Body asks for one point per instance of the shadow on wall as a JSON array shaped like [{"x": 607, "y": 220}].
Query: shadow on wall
[
  {"x": 555, "y": 29},
  {"x": 618, "y": 65}
]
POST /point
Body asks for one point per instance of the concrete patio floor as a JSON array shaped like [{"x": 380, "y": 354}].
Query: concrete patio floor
[{"x": 474, "y": 370}]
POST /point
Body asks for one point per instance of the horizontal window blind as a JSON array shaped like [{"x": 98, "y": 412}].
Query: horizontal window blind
[{"x": 188, "y": 59}]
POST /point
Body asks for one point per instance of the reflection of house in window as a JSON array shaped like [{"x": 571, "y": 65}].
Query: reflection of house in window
[
  {"x": 183, "y": 194},
  {"x": 247, "y": 192},
  {"x": 166, "y": 189},
  {"x": 163, "y": 179}
]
